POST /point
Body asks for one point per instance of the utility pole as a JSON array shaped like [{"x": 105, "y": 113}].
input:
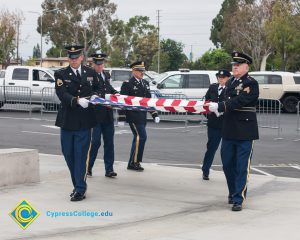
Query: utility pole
[
  {"x": 41, "y": 62},
  {"x": 18, "y": 37},
  {"x": 41, "y": 21},
  {"x": 158, "y": 53},
  {"x": 191, "y": 54}
]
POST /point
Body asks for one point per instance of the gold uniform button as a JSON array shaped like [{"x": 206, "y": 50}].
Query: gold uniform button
[{"x": 78, "y": 90}]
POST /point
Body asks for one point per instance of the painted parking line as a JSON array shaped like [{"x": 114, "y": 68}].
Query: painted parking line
[
  {"x": 171, "y": 128},
  {"x": 262, "y": 172},
  {"x": 41, "y": 133},
  {"x": 296, "y": 167}
]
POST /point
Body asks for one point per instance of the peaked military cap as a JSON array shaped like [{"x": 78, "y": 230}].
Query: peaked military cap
[
  {"x": 74, "y": 51},
  {"x": 98, "y": 58},
  {"x": 238, "y": 57},
  {"x": 139, "y": 66},
  {"x": 223, "y": 73}
]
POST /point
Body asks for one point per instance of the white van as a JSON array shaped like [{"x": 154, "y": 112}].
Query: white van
[{"x": 193, "y": 84}]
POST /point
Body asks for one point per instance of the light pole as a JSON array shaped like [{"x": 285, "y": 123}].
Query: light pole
[{"x": 41, "y": 20}]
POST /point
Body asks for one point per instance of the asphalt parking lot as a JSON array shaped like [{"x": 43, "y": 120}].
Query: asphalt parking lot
[{"x": 169, "y": 143}]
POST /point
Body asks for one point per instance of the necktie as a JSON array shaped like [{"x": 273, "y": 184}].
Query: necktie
[
  {"x": 220, "y": 90},
  {"x": 234, "y": 80},
  {"x": 78, "y": 74},
  {"x": 102, "y": 75},
  {"x": 141, "y": 82}
]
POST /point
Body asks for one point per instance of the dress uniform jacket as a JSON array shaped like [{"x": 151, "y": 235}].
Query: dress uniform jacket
[
  {"x": 212, "y": 95},
  {"x": 105, "y": 114},
  {"x": 239, "y": 107},
  {"x": 69, "y": 87},
  {"x": 141, "y": 88}
]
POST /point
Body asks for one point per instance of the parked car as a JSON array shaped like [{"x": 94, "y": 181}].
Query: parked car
[
  {"x": 283, "y": 86},
  {"x": 192, "y": 84},
  {"x": 27, "y": 84},
  {"x": 119, "y": 75}
]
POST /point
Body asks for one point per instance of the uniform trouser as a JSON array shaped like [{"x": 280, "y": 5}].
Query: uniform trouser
[
  {"x": 75, "y": 147},
  {"x": 108, "y": 131},
  {"x": 236, "y": 157},
  {"x": 214, "y": 138},
  {"x": 138, "y": 142}
]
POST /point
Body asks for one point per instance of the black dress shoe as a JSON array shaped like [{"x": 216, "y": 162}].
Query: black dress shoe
[
  {"x": 230, "y": 200},
  {"x": 205, "y": 177},
  {"x": 237, "y": 207},
  {"x": 72, "y": 193},
  {"x": 77, "y": 196},
  {"x": 111, "y": 174},
  {"x": 135, "y": 167}
]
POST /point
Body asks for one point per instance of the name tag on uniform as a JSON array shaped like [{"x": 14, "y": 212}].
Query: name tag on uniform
[
  {"x": 67, "y": 81},
  {"x": 90, "y": 78}
]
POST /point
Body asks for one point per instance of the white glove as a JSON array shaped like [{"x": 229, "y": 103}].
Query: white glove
[
  {"x": 156, "y": 119},
  {"x": 217, "y": 113},
  {"x": 83, "y": 102},
  {"x": 213, "y": 107},
  {"x": 93, "y": 97}
]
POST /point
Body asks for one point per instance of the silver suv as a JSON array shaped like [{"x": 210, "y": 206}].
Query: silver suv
[{"x": 283, "y": 86}]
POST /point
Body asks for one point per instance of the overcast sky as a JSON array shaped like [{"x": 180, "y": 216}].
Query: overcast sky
[{"x": 187, "y": 21}]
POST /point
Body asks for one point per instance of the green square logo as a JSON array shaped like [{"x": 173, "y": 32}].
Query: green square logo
[{"x": 24, "y": 214}]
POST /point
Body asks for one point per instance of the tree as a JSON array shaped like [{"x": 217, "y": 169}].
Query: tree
[
  {"x": 243, "y": 29},
  {"x": 174, "y": 51},
  {"x": 36, "y": 51},
  {"x": 77, "y": 22},
  {"x": 215, "y": 59},
  {"x": 133, "y": 40},
  {"x": 56, "y": 52},
  {"x": 9, "y": 21},
  {"x": 281, "y": 30},
  {"x": 164, "y": 62},
  {"x": 228, "y": 7}
]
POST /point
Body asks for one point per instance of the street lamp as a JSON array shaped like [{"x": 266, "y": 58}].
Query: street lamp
[{"x": 41, "y": 18}]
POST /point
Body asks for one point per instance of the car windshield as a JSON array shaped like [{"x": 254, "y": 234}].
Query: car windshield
[
  {"x": 160, "y": 77},
  {"x": 152, "y": 74}
]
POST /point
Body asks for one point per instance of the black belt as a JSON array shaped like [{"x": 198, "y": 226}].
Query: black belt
[{"x": 246, "y": 109}]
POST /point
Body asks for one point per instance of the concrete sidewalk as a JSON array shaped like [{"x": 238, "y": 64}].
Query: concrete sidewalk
[{"x": 161, "y": 203}]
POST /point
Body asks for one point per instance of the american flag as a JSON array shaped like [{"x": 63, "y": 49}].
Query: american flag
[
  {"x": 118, "y": 105},
  {"x": 151, "y": 104}
]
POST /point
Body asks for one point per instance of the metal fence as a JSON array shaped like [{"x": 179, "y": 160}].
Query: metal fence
[
  {"x": 298, "y": 122},
  {"x": 269, "y": 115},
  {"x": 49, "y": 102},
  {"x": 16, "y": 98},
  {"x": 20, "y": 99}
]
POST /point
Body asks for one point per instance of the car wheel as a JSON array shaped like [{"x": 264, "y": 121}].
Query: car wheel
[
  {"x": 290, "y": 104},
  {"x": 1, "y": 104}
]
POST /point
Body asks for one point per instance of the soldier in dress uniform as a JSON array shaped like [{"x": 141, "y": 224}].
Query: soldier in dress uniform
[
  {"x": 240, "y": 128},
  {"x": 215, "y": 93},
  {"x": 105, "y": 121},
  {"x": 137, "y": 86},
  {"x": 73, "y": 85}
]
